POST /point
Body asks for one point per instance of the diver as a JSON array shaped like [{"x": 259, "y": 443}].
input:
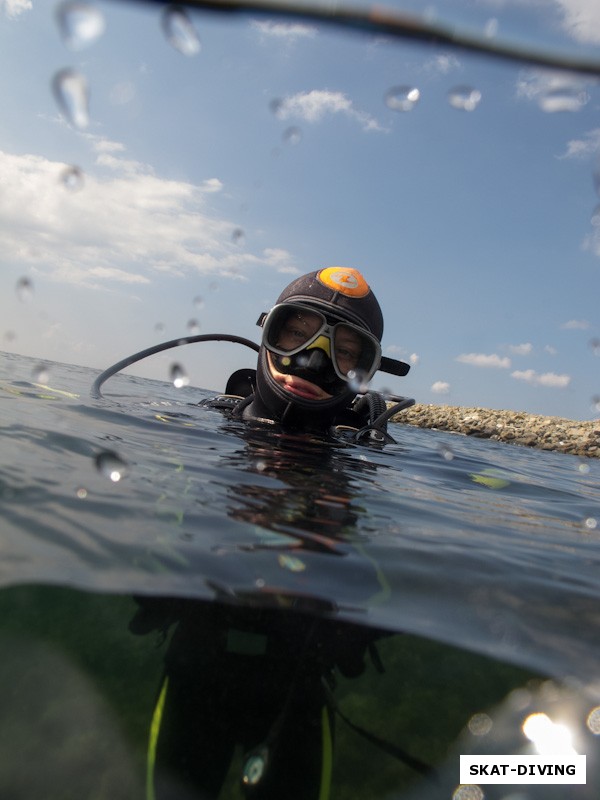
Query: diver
[
  {"x": 321, "y": 345},
  {"x": 237, "y": 673}
]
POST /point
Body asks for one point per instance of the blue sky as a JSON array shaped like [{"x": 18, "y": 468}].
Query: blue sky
[{"x": 207, "y": 179}]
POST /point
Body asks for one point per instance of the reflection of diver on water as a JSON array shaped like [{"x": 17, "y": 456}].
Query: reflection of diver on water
[
  {"x": 252, "y": 671},
  {"x": 257, "y": 668}
]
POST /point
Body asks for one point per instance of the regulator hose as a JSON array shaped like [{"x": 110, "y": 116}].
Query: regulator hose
[{"x": 158, "y": 348}]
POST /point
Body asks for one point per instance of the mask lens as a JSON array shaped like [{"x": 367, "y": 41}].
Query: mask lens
[
  {"x": 290, "y": 329},
  {"x": 353, "y": 350}
]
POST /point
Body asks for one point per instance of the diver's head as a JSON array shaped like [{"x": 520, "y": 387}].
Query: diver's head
[{"x": 320, "y": 342}]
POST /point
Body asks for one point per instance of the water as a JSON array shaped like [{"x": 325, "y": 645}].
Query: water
[{"x": 473, "y": 566}]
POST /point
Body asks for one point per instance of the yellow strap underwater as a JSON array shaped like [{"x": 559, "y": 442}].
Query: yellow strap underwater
[
  {"x": 153, "y": 740},
  {"x": 327, "y": 764}
]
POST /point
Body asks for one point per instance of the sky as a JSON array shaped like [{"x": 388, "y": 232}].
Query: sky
[{"x": 162, "y": 176}]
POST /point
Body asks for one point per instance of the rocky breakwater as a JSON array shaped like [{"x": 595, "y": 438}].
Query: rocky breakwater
[{"x": 515, "y": 427}]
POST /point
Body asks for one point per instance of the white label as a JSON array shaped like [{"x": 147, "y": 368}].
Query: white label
[{"x": 522, "y": 769}]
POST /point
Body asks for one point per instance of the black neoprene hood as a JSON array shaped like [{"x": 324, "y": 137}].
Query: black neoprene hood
[{"x": 344, "y": 290}]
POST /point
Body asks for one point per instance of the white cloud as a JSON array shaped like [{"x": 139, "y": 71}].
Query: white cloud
[
  {"x": 12, "y": 8},
  {"x": 284, "y": 30},
  {"x": 414, "y": 359},
  {"x": 588, "y": 145},
  {"x": 280, "y": 259},
  {"x": 551, "y": 350},
  {"x": 313, "y": 106},
  {"x": 581, "y": 19},
  {"x": 124, "y": 225},
  {"x": 440, "y": 387},
  {"x": 521, "y": 349},
  {"x": 483, "y": 360},
  {"x": 546, "y": 379},
  {"x": 576, "y": 325}
]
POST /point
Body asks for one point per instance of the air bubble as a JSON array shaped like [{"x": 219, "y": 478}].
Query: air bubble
[
  {"x": 583, "y": 468},
  {"x": 180, "y": 31},
  {"x": 468, "y": 791},
  {"x": 72, "y": 178},
  {"x": 111, "y": 465},
  {"x": 82, "y": 493},
  {"x": 464, "y": 98},
  {"x": 71, "y": 93},
  {"x": 24, "y": 289},
  {"x": 292, "y": 135},
  {"x": 357, "y": 381},
  {"x": 179, "y": 376},
  {"x": 480, "y": 724},
  {"x": 80, "y": 24},
  {"x": 593, "y": 721},
  {"x": 402, "y": 98},
  {"x": 193, "y": 327},
  {"x": 590, "y": 523},
  {"x": 40, "y": 373}
]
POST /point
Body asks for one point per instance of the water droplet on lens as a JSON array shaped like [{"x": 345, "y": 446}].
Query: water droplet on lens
[
  {"x": 237, "y": 237},
  {"x": 357, "y": 381},
  {"x": 402, "y": 98},
  {"x": 490, "y": 29},
  {"x": 24, "y": 290},
  {"x": 40, "y": 373},
  {"x": 199, "y": 301},
  {"x": 111, "y": 465},
  {"x": 595, "y": 345},
  {"x": 583, "y": 468},
  {"x": 179, "y": 376},
  {"x": 596, "y": 403},
  {"x": 72, "y": 178},
  {"x": 590, "y": 523},
  {"x": 71, "y": 93},
  {"x": 213, "y": 286},
  {"x": 567, "y": 95},
  {"x": 180, "y": 31},
  {"x": 193, "y": 327},
  {"x": 276, "y": 107},
  {"x": 446, "y": 452},
  {"x": 464, "y": 98},
  {"x": 255, "y": 766},
  {"x": 159, "y": 327},
  {"x": 80, "y": 24},
  {"x": 82, "y": 493},
  {"x": 292, "y": 135}
]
